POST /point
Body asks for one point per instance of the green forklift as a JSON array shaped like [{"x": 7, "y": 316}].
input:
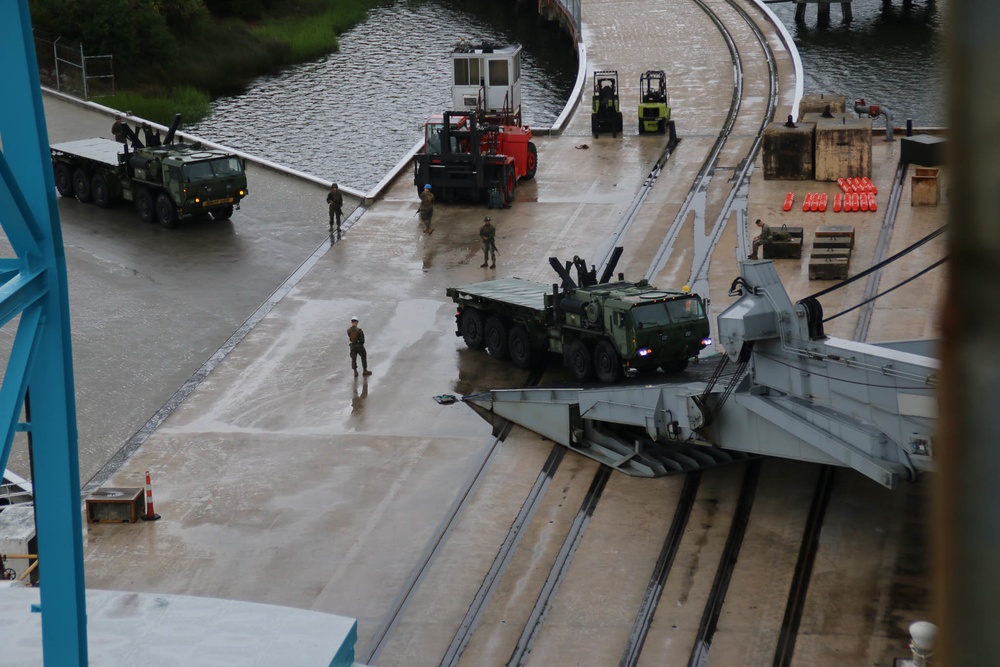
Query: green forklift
[
  {"x": 654, "y": 110},
  {"x": 606, "y": 116}
]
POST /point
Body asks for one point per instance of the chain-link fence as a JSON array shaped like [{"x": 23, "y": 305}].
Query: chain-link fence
[{"x": 67, "y": 68}]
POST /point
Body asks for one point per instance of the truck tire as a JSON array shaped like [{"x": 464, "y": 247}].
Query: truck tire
[
  {"x": 509, "y": 184},
  {"x": 166, "y": 213},
  {"x": 578, "y": 360},
  {"x": 519, "y": 347},
  {"x": 99, "y": 190},
  {"x": 81, "y": 185},
  {"x": 532, "y": 165},
  {"x": 144, "y": 204},
  {"x": 607, "y": 363},
  {"x": 496, "y": 337},
  {"x": 472, "y": 329},
  {"x": 64, "y": 180},
  {"x": 222, "y": 213}
]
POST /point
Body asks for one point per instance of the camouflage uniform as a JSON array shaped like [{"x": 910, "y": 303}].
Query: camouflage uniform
[
  {"x": 426, "y": 209},
  {"x": 766, "y": 235},
  {"x": 336, "y": 201},
  {"x": 487, "y": 236},
  {"x": 357, "y": 338}
]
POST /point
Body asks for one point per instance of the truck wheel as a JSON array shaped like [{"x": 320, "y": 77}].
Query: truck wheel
[
  {"x": 144, "y": 204},
  {"x": 222, "y": 213},
  {"x": 496, "y": 337},
  {"x": 577, "y": 360},
  {"x": 165, "y": 211},
  {"x": 64, "y": 180},
  {"x": 607, "y": 363},
  {"x": 472, "y": 329},
  {"x": 532, "y": 165},
  {"x": 509, "y": 184},
  {"x": 519, "y": 345},
  {"x": 99, "y": 191},
  {"x": 81, "y": 185}
]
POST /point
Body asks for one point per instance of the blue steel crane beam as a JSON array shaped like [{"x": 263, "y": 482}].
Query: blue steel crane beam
[{"x": 41, "y": 359}]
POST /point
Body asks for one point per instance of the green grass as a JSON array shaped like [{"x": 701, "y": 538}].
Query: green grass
[
  {"x": 308, "y": 37},
  {"x": 191, "y": 103},
  {"x": 221, "y": 57}
]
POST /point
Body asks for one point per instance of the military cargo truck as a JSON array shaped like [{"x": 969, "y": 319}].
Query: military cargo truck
[
  {"x": 167, "y": 183},
  {"x": 602, "y": 328}
]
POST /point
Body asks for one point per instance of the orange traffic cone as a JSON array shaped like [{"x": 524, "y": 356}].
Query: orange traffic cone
[{"x": 150, "y": 515}]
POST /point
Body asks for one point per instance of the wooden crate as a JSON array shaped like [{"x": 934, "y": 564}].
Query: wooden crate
[
  {"x": 790, "y": 249},
  {"x": 826, "y": 231},
  {"x": 829, "y": 268},
  {"x": 114, "y": 505}
]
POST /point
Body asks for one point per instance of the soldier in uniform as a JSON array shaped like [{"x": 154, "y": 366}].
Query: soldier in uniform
[
  {"x": 766, "y": 235},
  {"x": 357, "y": 337},
  {"x": 487, "y": 237},
  {"x": 336, "y": 201},
  {"x": 426, "y": 208},
  {"x": 118, "y": 130}
]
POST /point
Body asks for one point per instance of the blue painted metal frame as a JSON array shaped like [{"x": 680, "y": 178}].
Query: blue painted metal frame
[{"x": 34, "y": 288}]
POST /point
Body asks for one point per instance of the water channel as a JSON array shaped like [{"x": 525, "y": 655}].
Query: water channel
[{"x": 352, "y": 115}]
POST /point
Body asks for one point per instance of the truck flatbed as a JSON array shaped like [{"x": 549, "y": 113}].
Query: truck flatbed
[
  {"x": 515, "y": 291},
  {"x": 104, "y": 151}
]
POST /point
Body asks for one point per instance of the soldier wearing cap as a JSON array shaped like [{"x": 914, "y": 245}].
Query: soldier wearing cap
[
  {"x": 426, "y": 208},
  {"x": 487, "y": 237},
  {"x": 357, "y": 337}
]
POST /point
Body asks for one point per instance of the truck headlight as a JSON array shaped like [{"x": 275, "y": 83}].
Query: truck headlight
[
  {"x": 645, "y": 352},
  {"x": 706, "y": 342}
]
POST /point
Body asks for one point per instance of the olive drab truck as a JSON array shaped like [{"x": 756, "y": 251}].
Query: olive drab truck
[
  {"x": 166, "y": 183},
  {"x": 599, "y": 328}
]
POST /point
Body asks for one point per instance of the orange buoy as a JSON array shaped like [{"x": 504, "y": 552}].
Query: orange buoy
[
  {"x": 789, "y": 200},
  {"x": 855, "y": 201},
  {"x": 872, "y": 206},
  {"x": 864, "y": 201},
  {"x": 836, "y": 203},
  {"x": 814, "y": 204},
  {"x": 807, "y": 201},
  {"x": 871, "y": 186},
  {"x": 842, "y": 182},
  {"x": 823, "y": 199}
]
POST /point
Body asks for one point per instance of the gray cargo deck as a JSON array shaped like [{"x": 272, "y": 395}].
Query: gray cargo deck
[
  {"x": 514, "y": 291},
  {"x": 97, "y": 149}
]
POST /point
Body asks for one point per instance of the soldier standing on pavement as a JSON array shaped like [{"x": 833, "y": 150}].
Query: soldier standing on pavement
[
  {"x": 426, "y": 208},
  {"x": 357, "y": 337},
  {"x": 336, "y": 201},
  {"x": 487, "y": 237}
]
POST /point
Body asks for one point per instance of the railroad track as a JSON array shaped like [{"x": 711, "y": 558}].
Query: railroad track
[{"x": 731, "y": 147}]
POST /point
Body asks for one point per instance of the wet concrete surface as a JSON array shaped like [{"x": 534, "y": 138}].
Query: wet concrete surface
[
  {"x": 150, "y": 305},
  {"x": 283, "y": 479}
]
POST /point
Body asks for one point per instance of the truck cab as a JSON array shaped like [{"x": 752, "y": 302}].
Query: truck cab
[{"x": 646, "y": 327}]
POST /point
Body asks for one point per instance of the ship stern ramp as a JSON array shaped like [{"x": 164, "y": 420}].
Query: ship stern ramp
[{"x": 796, "y": 393}]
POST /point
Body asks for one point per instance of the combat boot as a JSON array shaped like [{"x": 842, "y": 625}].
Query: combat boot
[
  {"x": 367, "y": 372},
  {"x": 355, "y": 372},
  {"x": 483, "y": 265},
  {"x": 493, "y": 265}
]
